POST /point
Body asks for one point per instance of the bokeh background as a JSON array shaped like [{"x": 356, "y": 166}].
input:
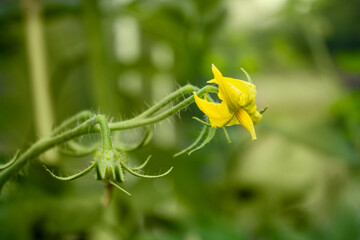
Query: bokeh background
[{"x": 299, "y": 180}]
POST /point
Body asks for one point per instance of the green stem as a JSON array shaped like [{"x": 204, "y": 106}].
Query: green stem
[
  {"x": 227, "y": 135},
  {"x": 178, "y": 93},
  {"x": 42, "y": 146},
  {"x": 105, "y": 132},
  {"x": 79, "y": 117},
  {"x": 38, "y": 66},
  {"x": 98, "y": 60},
  {"x": 133, "y": 123},
  {"x": 89, "y": 126}
]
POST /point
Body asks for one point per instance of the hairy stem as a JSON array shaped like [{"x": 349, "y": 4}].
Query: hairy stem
[
  {"x": 43, "y": 145},
  {"x": 178, "y": 93},
  {"x": 89, "y": 126},
  {"x": 79, "y": 117},
  {"x": 133, "y": 123},
  {"x": 105, "y": 132}
]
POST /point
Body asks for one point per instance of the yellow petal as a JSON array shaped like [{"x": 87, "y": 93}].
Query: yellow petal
[
  {"x": 245, "y": 120},
  {"x": 233, "y": 121},
  {"x": 226, "y": 93},
  {"x": 218, "y": 114},
  {"x": 248, "y": 90},
  {"x": 241, "y": 93},
  {"x": 216, "y": 72}
]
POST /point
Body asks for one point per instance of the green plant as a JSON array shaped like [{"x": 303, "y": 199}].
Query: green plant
[{"x": 109, "y": 160}]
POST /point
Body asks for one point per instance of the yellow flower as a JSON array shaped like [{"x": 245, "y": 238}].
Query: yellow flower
[{"x": 237, "y": 106}]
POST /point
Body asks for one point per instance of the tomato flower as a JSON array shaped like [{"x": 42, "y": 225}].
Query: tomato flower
[{"x": 237, "y": 106}]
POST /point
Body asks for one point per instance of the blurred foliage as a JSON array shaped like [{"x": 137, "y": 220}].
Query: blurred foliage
[{"x": 299, "y": 180}]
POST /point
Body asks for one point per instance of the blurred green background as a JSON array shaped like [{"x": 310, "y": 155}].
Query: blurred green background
[{"x": 299, "y": 180}]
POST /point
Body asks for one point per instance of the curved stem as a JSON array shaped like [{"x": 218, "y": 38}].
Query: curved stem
[
  {"x": 178, "y": 93},
  {"x": 11, "y": 161},
  {"x": 133, "y": 123},
  {"x": 79, "y": 117},
  {"x": 42, "y": 146},
  {"x": 88, "y": 127}
]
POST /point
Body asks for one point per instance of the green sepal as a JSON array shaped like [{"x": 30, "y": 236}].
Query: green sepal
[
  {"x": 247, "y": 76},
  {"x": 72, "y": 177},
  {"x": 118, "y": 172},
  {"x": 263, "y": 110},
  {"x": 210, "y": 135},
  {"x": 142, "y": 165},
  {"x": 145, "y": 176},
  {"x": 197, "y": 140},
  {"x": 109, "y": 165},
  {"x": 101, "y": 165},
  {"x": 120, "y": 188},
  {"x": 201, "y": 121}
]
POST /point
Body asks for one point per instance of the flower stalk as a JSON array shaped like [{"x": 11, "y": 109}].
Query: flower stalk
[
  {"x": 86, "y": 122},
  {"x": 105, "y": 133}
]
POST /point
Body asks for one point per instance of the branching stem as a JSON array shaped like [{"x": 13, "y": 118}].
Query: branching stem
[{"x": 61, "y": 134}]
